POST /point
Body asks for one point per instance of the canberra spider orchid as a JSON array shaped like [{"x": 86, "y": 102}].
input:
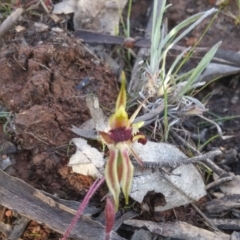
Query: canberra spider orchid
[{"x": 119, "y": 138}]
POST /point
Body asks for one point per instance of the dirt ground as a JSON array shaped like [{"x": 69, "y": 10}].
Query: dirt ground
[{"x": 40, "y": 79}]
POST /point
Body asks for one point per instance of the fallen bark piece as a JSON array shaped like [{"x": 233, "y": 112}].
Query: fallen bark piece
[
  {"x": 10, "y": 21},
  {"x": 5, "y": 228},
  {"x": 74, "y": 205},
  {"x": 141, "y": 235},
  {"x": 225, "y": 203},
  {"x": 33, "y": 204},
  {"x": 227, "y": 224},
  {"x": 101, "y": 15},
  {"x": 18, "y": 228},
  {"x": 179, "y": 230},
  {"x": 231, "y": 187},
  {"x": 235, "y": 236}
]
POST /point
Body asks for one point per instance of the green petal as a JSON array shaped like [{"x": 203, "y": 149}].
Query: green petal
[
  {"x": 127, "y": 175},
  {"x": 122, "y": 96},
  {"x": 119, "y": 118},
  {"x": 111, "y": 175}
]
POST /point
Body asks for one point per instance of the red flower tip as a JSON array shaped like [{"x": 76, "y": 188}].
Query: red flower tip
[
  {"x": 109, "y": 218},
  {"x": 143, "y": 141}
]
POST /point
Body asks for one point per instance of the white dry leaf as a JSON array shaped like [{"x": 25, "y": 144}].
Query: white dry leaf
[
  {"x": 217, "y": 70},
  {"x": 41, "y": 27},
  {"x": 98, "y": 122},
  {"x": 87, "y": 160},
  {"x": 65, "y": 7},
  {"x": 5, "y": 163},
  {"x": 19, "y": 28},
  {"x": 183, "y": 185},
  {"x": 99, "y": 119},
  {"x": 101, "y": 15},
  {"x": 231, "y": 187}
]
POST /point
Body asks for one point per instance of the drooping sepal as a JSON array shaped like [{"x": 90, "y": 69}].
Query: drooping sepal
[
  {"x": 127, "y": 174},
  {"x": 111, "y": 174},
  {"x": 122, "y": 96}
]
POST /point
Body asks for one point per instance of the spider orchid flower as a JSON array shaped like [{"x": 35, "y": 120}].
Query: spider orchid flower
[{"x": 122, "y": 133}]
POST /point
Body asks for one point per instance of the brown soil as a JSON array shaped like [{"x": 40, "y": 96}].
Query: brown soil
[
  {"x": 40, "y": 75},
  {"x": 223, "y": 28}
]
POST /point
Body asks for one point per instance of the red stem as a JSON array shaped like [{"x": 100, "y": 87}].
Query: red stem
[{"x": 83, "y": 205}]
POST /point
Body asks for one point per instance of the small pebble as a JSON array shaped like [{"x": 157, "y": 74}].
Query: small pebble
[
  {"x": 190, "y": 10},
  {"x": 234, "y": 100},
  {"x": 83, "y": 83},
  {"x": 8, "y": 213}
]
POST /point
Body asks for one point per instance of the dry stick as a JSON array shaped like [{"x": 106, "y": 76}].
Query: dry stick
[
  {"x": 10, "y": 21},
  {"x": 184, "y": 142},
  {"x": 178, "y": 229},
  {"x": 222, "y": 56},
  {"x": 226, "y": 203},
  {"x": 44, "y": 7},
  {"x": 227, "y": 224},
  {"x": 150, "y": 116},
  {"x": 218, "y": 182},
  {"x": 196, "y": 159},
  {"x": 19, "y": 228},
  {"x": 192, "y": 200},
  {"x": 206, "y": 161},
  {"x": 33, "y": 204},
  {"x": 5, "y": 228},
  {"x": 208, "y": 221},
  {"x": 214, "y": 167}
]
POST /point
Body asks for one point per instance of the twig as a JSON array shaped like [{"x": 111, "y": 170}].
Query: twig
[
  {"x": 228, "y": 224},
  {"x": 19, "y": 64},
  {"x": 196, "y": 159},
  {"x": 10, "y": 21},
  {"x": 19, "y": 228},
  {"x": 208, "y": 221},
  {"x": 184, "y": 142},
  {"x": 44, "y": 6},
  {"x": 42, "y": 65},
  {"x": 214, "y": 167},
  {"x": 218, "y": 182},
  {"x": 179, "y": 230},
  {"x": 207, "y": 160}
]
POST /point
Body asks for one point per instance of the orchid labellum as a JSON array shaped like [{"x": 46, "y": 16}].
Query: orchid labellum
[{"x": 122, "y": 133}]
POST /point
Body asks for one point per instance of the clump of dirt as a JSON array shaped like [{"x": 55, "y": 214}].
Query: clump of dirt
[{"x": 38, "y": 83}]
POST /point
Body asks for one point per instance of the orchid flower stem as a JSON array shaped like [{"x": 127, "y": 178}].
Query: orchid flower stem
[{"x": 83, "y": 205}]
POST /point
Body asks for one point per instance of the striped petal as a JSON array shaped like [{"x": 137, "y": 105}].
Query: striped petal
[
  {"x": 127, "y": 174},
  {"x": 111, "y": 175}
]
